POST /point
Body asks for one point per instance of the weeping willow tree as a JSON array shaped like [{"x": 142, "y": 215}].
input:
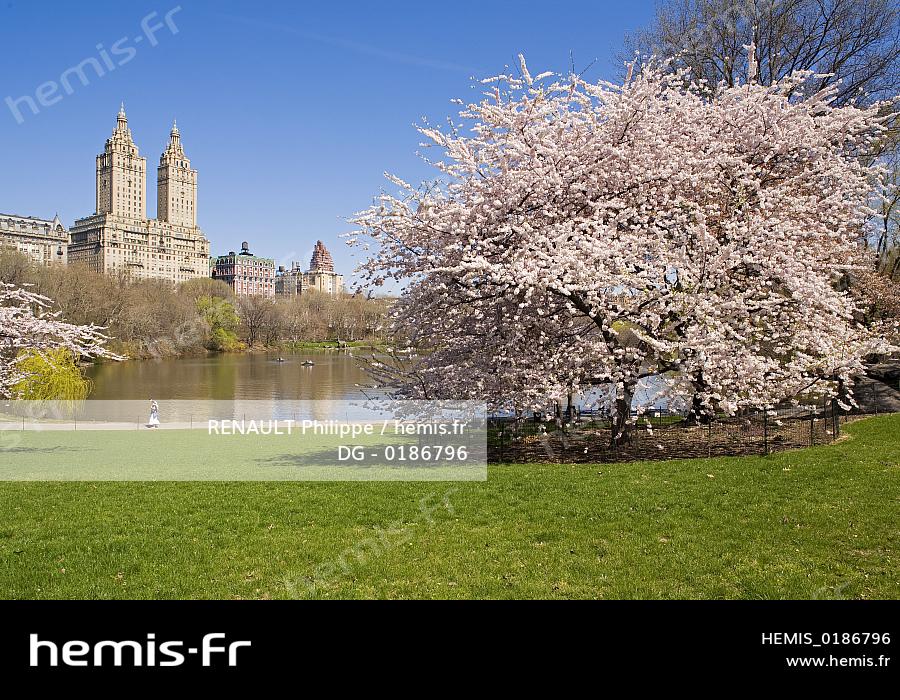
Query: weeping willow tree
[{"x": 51, "y": 375}]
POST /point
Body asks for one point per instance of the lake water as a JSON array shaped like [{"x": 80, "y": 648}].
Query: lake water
[
  {"x": 335, "y": 375},
  {"x": 256, "y": 376}
]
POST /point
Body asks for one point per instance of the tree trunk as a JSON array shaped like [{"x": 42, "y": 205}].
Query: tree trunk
[
  {"x": 621, "y": 413},
  {"x": 698, "y": 413}
]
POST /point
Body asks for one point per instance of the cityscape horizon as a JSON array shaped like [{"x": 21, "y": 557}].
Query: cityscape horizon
[{"x": 269, "y": 149}]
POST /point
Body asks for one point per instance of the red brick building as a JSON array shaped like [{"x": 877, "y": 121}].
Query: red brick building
[{"x": 245, "y": 273}]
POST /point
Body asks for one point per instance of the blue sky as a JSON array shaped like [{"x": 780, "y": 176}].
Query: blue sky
[{"x": 290, "y": 111}]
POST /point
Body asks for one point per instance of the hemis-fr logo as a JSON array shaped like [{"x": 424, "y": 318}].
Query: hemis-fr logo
[{"x": 213, "y": 650}]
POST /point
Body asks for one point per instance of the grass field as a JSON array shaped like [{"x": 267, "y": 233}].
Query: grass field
[
  {"x": 196, "y": 455},
  {"x": 817, "y": 523}
]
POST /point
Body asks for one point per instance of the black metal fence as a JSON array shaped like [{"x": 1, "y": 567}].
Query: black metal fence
[{"x": 582, "y": 436}]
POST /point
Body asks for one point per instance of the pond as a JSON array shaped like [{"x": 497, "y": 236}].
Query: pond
[{"x": 333, "y": 374}]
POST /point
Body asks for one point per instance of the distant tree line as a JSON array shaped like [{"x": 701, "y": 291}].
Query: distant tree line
[{"x": 153, "y": 318}]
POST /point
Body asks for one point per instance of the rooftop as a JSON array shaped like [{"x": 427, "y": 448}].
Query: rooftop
[{"x": 33, "y": 219}]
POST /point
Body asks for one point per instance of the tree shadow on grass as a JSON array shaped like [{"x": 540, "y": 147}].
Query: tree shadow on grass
[
  {"x": 42, "y": 450},
  {"x": 374, "y": 460},
  {"x": 326, "y": 458}
]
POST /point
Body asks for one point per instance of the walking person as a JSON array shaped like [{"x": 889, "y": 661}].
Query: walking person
[{"x": 154, "y": 415}]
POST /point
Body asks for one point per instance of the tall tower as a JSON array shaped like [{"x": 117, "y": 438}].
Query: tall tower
[
  {"x": 321, "y": 276},
  {"x": 321, "y": 260},
  {"x": 122, "y": 175},
  {"x": 176, "y": 201}
]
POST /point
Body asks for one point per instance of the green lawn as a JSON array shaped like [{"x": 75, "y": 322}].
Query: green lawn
[
  {"x": 822, "y": 522},
  {"x": 195, "y": 455}
]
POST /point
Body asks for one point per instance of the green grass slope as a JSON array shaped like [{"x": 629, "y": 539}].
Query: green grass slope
[{"x": 816, "y": 523}]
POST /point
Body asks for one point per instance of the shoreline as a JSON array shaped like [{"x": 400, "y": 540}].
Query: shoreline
[{"x": 288, "y": 346}]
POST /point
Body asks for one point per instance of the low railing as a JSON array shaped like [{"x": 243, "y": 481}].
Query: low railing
[{"x": 586, "y": 436}]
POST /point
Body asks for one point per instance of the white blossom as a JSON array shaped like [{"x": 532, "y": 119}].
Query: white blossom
[
  {"x": 597, "y": 235},
  {"x": 26, "y": 324}
]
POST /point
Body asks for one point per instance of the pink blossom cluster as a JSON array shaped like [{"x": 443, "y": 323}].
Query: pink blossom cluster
[{"x": 589, "y": 235}]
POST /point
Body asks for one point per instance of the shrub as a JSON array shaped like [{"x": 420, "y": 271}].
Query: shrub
[{"x": 51, "y": 375}]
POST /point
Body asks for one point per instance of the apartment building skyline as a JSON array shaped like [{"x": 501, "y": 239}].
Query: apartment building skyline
[{"x": 119, "y": 236}]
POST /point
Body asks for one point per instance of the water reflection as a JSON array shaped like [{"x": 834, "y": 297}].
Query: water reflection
[{"x": 257, "y": 376}]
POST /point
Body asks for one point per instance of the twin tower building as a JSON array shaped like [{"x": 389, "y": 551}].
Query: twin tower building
[{"x": 120, "y": 237}]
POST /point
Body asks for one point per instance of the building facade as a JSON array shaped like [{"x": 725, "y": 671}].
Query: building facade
[
  {"x": 289, "y": 283},
  {"x": 45, "y": 242},
  {"x": 246, "y": 274},
  {"x": 119, "y": 238},
  {"x": 320, "y": 277}
]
